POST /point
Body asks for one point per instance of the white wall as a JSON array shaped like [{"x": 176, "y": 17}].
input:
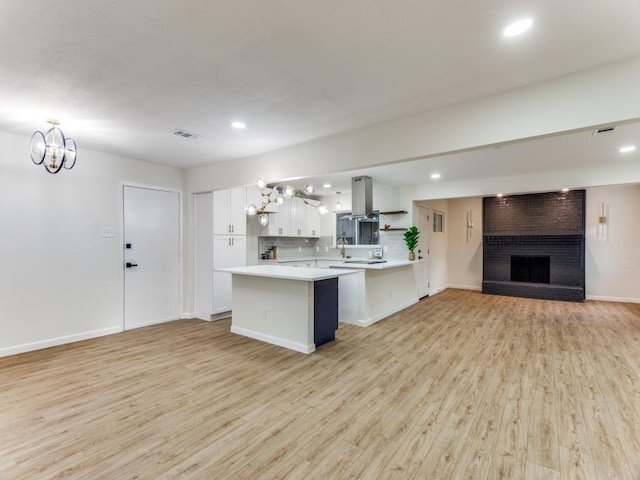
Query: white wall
[
  {"x": 464, "y": 258},
  {"x": 613, "y": 260},
  {"x": 59, "y": 281}
]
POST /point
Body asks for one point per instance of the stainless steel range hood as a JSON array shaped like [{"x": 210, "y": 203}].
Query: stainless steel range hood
[{"x": 361, "y": 196}]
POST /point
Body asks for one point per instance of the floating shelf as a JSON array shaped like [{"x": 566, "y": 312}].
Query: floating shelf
[
  {"x": 394, "y": 212},
  {"x": 392, "y": 229}
]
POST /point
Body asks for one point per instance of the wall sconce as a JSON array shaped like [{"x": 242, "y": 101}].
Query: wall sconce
[
  {"x": 52, "y": 149},
  {"x": 277, "y": 195},
  {"x": 469, "y": 224},
  {"x": 602, "y": 230}
]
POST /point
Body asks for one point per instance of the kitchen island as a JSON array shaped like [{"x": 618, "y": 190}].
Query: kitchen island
[
  {"x": 293, "y": 307},
  {"x": 379, "y": 290}
]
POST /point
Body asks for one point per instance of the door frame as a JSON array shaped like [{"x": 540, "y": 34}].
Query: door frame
[{"x": 180, "y": 243}]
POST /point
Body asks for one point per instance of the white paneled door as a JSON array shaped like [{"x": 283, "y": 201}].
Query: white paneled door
[
  {"x": 152, "y": 256},
  {"x": 422, "y": 267}
]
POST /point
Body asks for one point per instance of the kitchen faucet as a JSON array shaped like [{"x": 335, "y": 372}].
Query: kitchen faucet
[{"x": 342, "y": 241}]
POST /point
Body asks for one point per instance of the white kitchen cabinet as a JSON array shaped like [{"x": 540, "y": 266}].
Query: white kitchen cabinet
[
  {"x": 294, "y": 219},
  {"x": 314, "y": 222},
  {"x": 279, "y": 224},
  {"x": 297, "y": 218},
  {"x": 228, "y": 251},
  {"x": 229, "y": 216}
]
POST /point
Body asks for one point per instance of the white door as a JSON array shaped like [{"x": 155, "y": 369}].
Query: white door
[
  {"x": 203, "y": 226},
  {"x": 422, "y": 267},
  {"x": 151, "y": 256}
]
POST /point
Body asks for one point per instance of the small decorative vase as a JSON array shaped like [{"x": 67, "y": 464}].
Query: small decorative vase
[{"x": 412, "y": 256}]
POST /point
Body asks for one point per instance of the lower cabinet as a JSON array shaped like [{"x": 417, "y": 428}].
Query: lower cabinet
[
  {"x": 325, "y": 310},
  {"x": 228, "y": 251}
]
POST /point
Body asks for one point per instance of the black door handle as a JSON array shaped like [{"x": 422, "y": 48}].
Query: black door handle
[
  {"x": 129, "y": 265},
  {"x": 419, "y": 257}
]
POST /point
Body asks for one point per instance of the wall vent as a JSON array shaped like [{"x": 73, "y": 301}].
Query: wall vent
[
  {"x": 184, "y": 134},
  {"x": 604, "y": 130}
]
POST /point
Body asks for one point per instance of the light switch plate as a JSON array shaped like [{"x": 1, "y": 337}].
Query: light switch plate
[{"x": 107, "y": 232}]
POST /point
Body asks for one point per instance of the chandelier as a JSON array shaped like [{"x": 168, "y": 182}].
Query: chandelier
[
  {"x": 277, "y": 195},
  {"x": 52, "y": 149}
]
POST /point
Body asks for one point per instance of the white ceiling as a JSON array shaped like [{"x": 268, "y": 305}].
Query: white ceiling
[{"x": 122, "y": 75}]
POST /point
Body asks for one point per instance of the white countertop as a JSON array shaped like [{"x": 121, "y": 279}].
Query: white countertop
[
  {"x": 348, "y": 263},
  {"x": 289, "y": 273}
]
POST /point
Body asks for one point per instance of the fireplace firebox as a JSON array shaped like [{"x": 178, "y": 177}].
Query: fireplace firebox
[{"x": 532, "y": 269}]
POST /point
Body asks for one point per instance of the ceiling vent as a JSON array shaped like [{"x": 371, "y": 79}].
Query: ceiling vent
[
  {"x": 185, "y": 134},
  {"x": 604, "y": 130}
]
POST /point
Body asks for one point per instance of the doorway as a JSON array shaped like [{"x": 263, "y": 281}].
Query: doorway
[
  {"x": 152, "y": 255},
  {"x": 422, "y": 266}
]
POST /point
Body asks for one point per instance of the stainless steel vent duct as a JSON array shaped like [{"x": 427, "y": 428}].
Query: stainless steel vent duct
[{"x": 361, "y": 196}]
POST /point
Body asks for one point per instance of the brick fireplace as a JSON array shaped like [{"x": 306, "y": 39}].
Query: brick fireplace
[{"x": 533, "y": 245}]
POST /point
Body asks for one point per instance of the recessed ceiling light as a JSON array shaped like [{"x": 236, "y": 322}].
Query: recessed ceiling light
[
  {"x": 326, "y": 185},
  {"x": 239, "y": 125},
  {"x": 518, "y": 28},
  {"x": 627, "y": 149},
  {"x": 435, "y": 176},
  {"x": 565, "y": 190}
]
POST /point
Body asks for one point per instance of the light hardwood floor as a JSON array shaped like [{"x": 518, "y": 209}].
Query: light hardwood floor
[{"x": 461, "y": 385}]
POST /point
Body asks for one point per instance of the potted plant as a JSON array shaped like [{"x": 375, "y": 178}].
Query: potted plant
[{"x": 411, "y": 239}]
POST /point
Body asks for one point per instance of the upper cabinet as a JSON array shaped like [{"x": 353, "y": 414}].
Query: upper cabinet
[
  {"x": 229, "y": 216},
  {"x": 294, "y": 219}
]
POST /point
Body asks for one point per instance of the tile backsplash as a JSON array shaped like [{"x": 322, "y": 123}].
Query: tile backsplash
[{"x": 294, "y": 247}]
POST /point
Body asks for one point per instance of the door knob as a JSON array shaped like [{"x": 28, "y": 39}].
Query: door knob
[
  {"x": 420, "y": 257},
  {"x": 129, "y": 264}
]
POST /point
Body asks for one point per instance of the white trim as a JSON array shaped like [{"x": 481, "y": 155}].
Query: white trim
[
  {"x": 464, "y": 287},
  {"x": 52, "y": 342},
  {"x": 153, "y": 322},
  {"x": 382, "y": 316},
  {"x": 612, "y": 299},
  {"x": 298, "y": 347}
]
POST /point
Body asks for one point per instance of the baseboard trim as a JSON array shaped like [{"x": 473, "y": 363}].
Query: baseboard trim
[
  {"x": 382, "y": 316},
  {"x": 54, "y": 342},
  {"x": 153, "y": 322},
  {"x": 466, "y": 287},
  {"x": 281, "y": 342},
  {"x": 612, "y": 299}
]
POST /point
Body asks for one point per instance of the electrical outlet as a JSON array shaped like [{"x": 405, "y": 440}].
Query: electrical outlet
[
  {"x": 299, "y": 249},
  {"x": 386, "y": 249},
  {"x": 326, "y": 249},
  {"x": 264, "y": 314},
  {"x": 317, "y": 249}
]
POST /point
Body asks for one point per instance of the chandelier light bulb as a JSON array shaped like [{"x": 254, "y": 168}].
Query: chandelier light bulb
[
  {"x": 308, "y": 189},
  {"x": 288, "y": 191},
  {"x": 263, "y": 219},
  {"x": 261, "y": 184},
  {"x": 279, "y": 199},
  {"x": 251, "y": 209},
  {"x": 322, "y": 209}
]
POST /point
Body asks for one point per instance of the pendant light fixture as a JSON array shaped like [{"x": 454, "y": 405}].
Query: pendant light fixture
[
  {"x": 52, "y": 149},
  {"x": 277, "y": 195},
  {"x": 338, "y": 203}
]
